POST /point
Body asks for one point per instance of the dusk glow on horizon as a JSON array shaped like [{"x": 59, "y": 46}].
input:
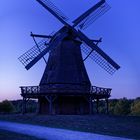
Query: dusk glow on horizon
[{"x": 119, "y": 28}]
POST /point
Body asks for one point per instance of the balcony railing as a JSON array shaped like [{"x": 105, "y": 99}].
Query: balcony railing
[
  {"x": 36, "y": 90},
  {"x": 99, "y": 90}
]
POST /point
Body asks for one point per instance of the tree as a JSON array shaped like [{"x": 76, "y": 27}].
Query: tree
[
  {"x": 112, "y": 104},
  {"x": 135, "y": 107},
  {"x": 122, "y": 107},
  {"x": 6, "y": 107}
]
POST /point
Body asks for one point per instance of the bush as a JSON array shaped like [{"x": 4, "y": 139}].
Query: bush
[
  {"x": 31, "y": 106},
  {"x": 122, "y": 107},
  {"x": 112, "y": 104},
  {"x": 6, "y": 107}
]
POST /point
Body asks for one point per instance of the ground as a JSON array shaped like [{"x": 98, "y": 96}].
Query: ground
[
  {"x": 6, "y": 135},
  {"x": 122, "y": 126}
]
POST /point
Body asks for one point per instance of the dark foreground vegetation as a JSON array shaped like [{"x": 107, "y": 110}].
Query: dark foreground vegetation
[{"x": 6, "y": 135}]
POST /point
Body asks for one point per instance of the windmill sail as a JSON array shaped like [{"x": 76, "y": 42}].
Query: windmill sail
[
  {"x": 91, "y": 15},
  {"x": 94, "y": 16},
  {"x": 96, "y": 57},
  {"x": 101, "y": 58},
  {"x": 31, "y": 54},
  {"x": 48, "y": 5},
  {"x": 36, "y": 53}
]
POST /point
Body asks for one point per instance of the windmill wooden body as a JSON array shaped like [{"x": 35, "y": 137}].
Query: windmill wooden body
[{"x": 65, "y": 87}]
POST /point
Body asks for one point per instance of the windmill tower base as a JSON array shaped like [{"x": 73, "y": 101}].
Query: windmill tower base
[{"x": 62, "y": 104}]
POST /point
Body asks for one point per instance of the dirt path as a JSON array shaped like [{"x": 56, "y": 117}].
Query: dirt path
[{"x": 53, "y": 133}]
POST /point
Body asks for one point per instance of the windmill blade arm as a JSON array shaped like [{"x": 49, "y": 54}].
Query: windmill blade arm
[
  {"x": 94, "y": 16},
  {"x": 98, "y": 59},
  {"x": 31, "y": 54},
  {"x": 87, "y": 13},
  {"x": 53, "y": 10},
  {"x": 41, "y": 36},
  {"x": 34, "y": 55},
  {"x": 98, "y": 50},
  {"x": 37, "y": 58}
]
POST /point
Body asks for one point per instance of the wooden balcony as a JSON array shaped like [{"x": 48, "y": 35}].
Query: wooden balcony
[
  {"x": 36, "y": 91},
  {"x": 100, "y": 92}
]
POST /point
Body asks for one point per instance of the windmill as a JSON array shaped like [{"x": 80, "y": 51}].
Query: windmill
[{"x": 65, "y": 87}]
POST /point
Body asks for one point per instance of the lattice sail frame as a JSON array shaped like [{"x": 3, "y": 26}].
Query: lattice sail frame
[
  {"x": 28, "y": 56},
  {"x": 55, "y": 9},
  {"x": 94, "y": 16},
  {"x": 98, "y": 59}
]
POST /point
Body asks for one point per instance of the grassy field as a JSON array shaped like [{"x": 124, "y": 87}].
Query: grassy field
[
  {"x": 6, "y": 135},
  {"x": 124, "y": 126}
]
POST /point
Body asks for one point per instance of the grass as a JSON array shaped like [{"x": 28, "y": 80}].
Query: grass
[
  {"x": 123, "y": 126},
  {"x": 7, "y": 135}
]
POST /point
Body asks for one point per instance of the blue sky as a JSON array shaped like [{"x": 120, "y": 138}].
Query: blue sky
[{"x": 120, "y": 29}]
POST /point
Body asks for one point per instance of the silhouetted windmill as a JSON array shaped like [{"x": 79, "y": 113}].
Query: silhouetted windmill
[{"x": 65, "y": 87}]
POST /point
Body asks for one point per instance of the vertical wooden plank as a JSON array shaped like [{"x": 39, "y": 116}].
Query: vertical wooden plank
[
  {"x": 50, "y": 106},
  {"x": 107, "y": 106},
  {"x": 90, "y": 105},
  {"x": 50, "y": 101},
  {"x": 97, "y": 105},
  {"x": 38, "y": 106},
  {"x": 24, "y": 105}
]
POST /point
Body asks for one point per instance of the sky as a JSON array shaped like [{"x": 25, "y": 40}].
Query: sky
[{"x": 119, "y": 27}]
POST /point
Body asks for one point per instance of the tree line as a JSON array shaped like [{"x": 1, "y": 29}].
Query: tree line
[
  {"x": 122, "y": 106},
  {"x": 15, "y": 106}
]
